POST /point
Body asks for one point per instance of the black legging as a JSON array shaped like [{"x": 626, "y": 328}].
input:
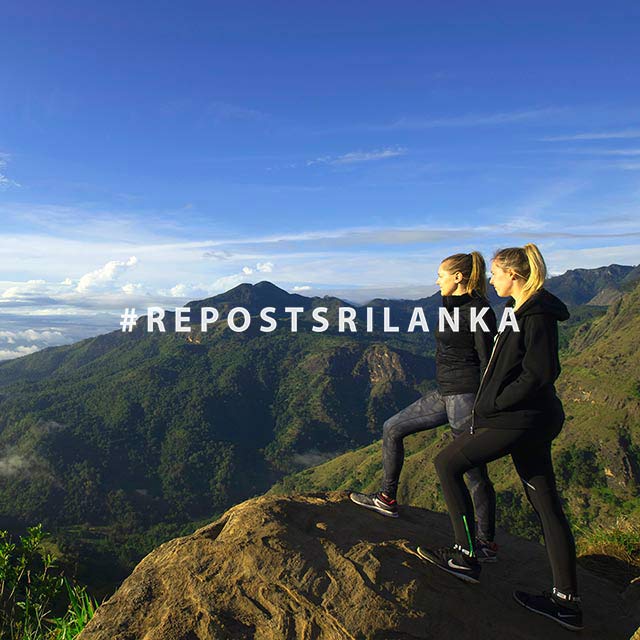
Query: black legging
[
  {"x": 530, "y": 451},
  {"x": 429, "y": 412}
]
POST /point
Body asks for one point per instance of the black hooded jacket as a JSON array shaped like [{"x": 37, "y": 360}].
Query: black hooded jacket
[
  {"x": 517, "y": 390},
  {"x": 462, "y": 356}
]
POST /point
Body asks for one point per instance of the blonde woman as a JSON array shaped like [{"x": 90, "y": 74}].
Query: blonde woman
[
  {"x": 517, "y": 413},
  {"x": 460, "y": 360}
]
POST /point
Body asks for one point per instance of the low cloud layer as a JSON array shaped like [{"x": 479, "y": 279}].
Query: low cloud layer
[{"x": 17, "y": 466}]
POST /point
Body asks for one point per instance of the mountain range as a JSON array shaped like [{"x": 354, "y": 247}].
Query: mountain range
[{"x": 121, "y": 441}]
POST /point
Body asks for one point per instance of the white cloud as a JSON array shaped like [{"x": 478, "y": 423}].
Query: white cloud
[
  {"x": 217, "y": 255},
  {"x": 188, "y": 290},
  {"x": 21, "y": 248},
  {"x": 15, "y": 463},
  {"x": 12, "y": 464},
  {"x": 227, "y": 282},
  {"x": 591, "y": 151},
  {"x": 360, "y": 156},
  {"x": 295, "y": 253},
  {"x": 615, "y": 152},
  {"x": 394, "y": 259},
  {"x": 31, "y": 335},
  {"x": 131, "y": 288},
  {"x": 57, "y": 311},
  {"x": 104, "y": 275},
  {"x": 304, "y": 287},
  {"x": 179, "y": 291},
  {"x": 589, "y": 258},
  {"x": 219, "y": 285},
  {"x": 183, "y": 290},
  {"x": 599, "y": 135},
  {"x": 30, "y": 287},
  {"x": 472, "y": 119},
  {"x": 5, "y": 182},
  {"x": 6, "y": 354},
  {"x": 27, "y": 341}
]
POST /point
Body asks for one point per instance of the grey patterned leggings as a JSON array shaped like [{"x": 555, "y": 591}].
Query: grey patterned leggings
[{"x": 431, "y": 411}]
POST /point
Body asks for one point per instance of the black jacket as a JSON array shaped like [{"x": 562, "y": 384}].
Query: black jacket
[
  {"x": 517, "y": 391},
  {"x": 462, "y": 357}
]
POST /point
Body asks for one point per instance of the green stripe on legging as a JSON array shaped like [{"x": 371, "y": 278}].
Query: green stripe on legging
[{"x": 464, "y": 519}]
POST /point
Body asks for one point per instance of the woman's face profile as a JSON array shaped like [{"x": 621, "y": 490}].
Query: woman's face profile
[
  {"x": 501, "y": 280},
  {"x": 446, "y": 280}
]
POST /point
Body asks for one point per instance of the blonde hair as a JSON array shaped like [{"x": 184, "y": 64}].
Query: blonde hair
[
  {"x": 473, "y": 270},
  {"x": 526, "y": 263}
]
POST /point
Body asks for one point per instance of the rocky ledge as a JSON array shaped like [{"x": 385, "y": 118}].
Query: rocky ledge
[{"x": 318, "y": 567}]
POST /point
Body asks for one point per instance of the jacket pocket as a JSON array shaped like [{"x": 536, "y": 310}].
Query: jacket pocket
[{"x": 486, "y": 405}]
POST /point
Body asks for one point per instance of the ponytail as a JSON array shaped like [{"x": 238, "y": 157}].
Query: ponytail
[
  {"x": 527, "y": 263},
  {"x": 473, "y": 270},
  {"x": 478, "y": 278},
  {"x": 537, "y": 270}
]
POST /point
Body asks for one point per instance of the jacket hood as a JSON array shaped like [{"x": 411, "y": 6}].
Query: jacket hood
[{"x": 544, "y": 302}]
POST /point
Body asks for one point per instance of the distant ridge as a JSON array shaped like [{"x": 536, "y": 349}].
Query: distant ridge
[
  {"x": 602, "y": 285},
  {"x": 129, "y": 433}
]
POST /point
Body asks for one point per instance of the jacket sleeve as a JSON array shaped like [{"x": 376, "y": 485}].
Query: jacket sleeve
[
  {"x": 483, "y": 340},
  {"x": 540, "y": 365}
]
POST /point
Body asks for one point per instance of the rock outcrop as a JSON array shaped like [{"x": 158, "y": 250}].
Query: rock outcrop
[{"x": 318, "y": 567}]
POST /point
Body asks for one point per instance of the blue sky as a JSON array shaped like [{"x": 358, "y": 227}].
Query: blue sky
[{"x": 154, "y": 153}]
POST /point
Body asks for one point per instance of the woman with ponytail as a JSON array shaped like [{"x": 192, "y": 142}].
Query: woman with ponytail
[
  {"x": 461, "y": 357},
  {"x": 516, "y": 413}
]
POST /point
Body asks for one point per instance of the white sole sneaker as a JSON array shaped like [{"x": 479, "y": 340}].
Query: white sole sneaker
[
  {"x": 374, "y": 507},
  {"x": 462, "y": 576}
]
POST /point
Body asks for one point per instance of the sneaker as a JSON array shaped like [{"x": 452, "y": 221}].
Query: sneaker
[
  {"x": 454, "y": 560},
  {"x": 377, "y": 502},
  {"x": 566, "y": 611},
  {"x": 486, "y": 551}
]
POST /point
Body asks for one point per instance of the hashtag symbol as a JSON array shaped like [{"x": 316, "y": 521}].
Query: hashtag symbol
[{"x": 129, "y": 318}]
